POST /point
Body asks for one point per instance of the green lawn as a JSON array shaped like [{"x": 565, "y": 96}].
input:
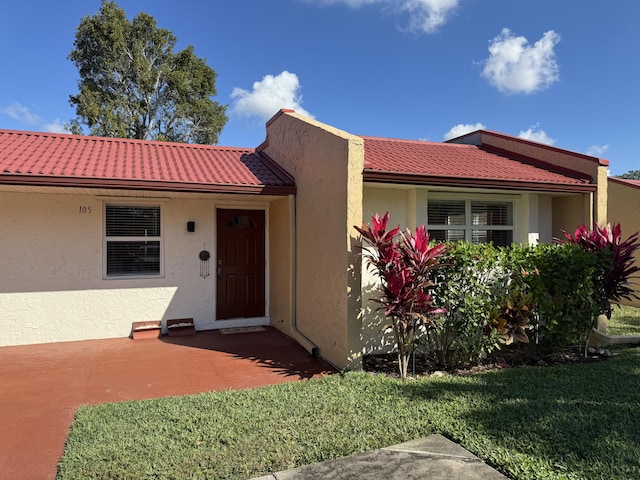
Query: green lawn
[
  {"x": 624, "y": 321},
  {"x": 563, "y": 422}
]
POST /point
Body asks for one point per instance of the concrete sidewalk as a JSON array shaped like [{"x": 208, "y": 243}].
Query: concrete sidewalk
[{"x": 434, "y": 457}]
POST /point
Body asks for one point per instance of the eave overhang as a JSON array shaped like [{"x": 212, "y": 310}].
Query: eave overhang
[
  {"x": 148, "y": 185},
  {"x": 443, "y": 181}
]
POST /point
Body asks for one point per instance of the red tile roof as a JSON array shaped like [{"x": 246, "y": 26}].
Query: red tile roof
[
  {"x": 433, "y": 163},
  {"x": 60, "y": 159}
]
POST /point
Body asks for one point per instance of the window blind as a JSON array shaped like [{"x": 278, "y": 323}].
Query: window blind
[
  {"x": 491, "y": 213},
  {"x": 132, "y": 221},
  {"x": 133, "y": 242},
  {"x": 446, "y": 212}
]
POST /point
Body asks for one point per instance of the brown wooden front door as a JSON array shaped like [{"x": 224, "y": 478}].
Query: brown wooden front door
[{"x": 241, "y": 264}]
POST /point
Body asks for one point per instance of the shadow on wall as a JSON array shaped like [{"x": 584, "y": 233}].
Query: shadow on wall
[{"x": 375, "y": 338}]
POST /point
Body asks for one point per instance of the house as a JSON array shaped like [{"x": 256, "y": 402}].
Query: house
[
  {"x": 624, "y": 208},
  {"x": 100, "y": 232}
]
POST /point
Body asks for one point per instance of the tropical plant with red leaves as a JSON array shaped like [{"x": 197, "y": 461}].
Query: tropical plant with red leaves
[
  {"x": 403, "y": 262},
  {"x": 613, "y": 283}
]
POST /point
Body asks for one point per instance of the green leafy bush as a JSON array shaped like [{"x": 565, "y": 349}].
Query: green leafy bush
[
  {"x": 541, "y": 295},
  {"x": 469, "y": 284},
  {"x": 613, "y": 282},
  {"x": 460, "y": 301},
  {"x": 512, "y": 318},
  {"x": 560, "y": 279}
]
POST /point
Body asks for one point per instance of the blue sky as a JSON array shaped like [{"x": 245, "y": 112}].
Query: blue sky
[{"x": 566, "y": 72}]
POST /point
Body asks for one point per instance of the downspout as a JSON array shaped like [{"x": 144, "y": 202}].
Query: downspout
[{"x": 297, "y": 335}]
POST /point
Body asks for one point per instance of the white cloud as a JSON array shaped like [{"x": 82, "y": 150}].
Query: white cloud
[
  {"x": 21, "y": 113},
  {"x": 55, "y": 127},
  {"x": 534, "y": 134},
  {"x": 349, "y": 3},
  {"x": 268, "y": 96},
  {"x": 425, "y": 16},
  {"x": 597, "y": 150},
  {"x": 514, "y": 66},
  {"x": 463, "y": 129}
]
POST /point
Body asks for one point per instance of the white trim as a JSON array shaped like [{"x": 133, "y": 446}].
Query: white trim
[
  {"x": 489, "y": 197},
  {"x": 132, "y": 202},
  {"x": 130, "y": 198},
  {"x": 468, "y": 227}
]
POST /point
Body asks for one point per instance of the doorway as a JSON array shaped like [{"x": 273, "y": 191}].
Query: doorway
[{"x": 240, "y": 258}]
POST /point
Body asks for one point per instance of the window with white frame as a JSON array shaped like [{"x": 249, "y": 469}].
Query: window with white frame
[
  {"x": 132, "y": 240},
  {"x": 472, "y": 220}
]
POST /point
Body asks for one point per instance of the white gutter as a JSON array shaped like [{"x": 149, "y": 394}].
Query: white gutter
[{"x": 297, "y": 335}]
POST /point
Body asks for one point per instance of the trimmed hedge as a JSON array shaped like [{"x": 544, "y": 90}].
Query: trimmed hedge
[{"x": 543, "y": 295}]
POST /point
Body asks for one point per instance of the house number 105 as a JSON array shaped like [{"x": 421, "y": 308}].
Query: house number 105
[{"x": 85, "y": 209}]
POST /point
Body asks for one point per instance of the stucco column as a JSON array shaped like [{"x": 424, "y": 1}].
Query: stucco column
[{"x": 600, "y": 207}]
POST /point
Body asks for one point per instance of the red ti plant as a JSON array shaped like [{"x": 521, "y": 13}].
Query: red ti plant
[
  {"x": 403, "y": 263},
  {"x": 613, "y": 284}
]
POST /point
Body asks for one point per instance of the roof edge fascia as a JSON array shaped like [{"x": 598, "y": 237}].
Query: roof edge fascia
[
  {"x": 568, "y": 172},
  {"x": 159, "y": 186},
  {"x": 504, "y": 136},
  {"x": 624, "y": 181}
]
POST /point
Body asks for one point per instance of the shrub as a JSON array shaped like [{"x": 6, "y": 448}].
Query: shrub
[
  {"x": 542, "y": 295},
  {"x": 404, "y": 268},
  {"x": 460, "y": 300},
  {"x": 560, "y": 280},
  {"x": 612, "y": 283},
  {"x": 468, "y": 286}
]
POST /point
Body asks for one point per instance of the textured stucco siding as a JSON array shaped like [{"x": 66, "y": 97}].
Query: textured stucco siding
[
  {"x": 569, "y": 212},
  {"x": 624, "y": 208},
  {"x": 327, "y": 165},
  {"x": 280, "y": 245},
  {"x": 53, "y": 286},
  {"x": 401, "y": 205}
]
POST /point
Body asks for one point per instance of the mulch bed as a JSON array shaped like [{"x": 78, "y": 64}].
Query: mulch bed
[{"x": 507, "y": 357}]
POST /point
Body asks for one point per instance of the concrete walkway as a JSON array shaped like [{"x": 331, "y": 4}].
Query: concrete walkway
[
  {"x": 434, "y": 458},
  {"x": 41, "y": 386}
]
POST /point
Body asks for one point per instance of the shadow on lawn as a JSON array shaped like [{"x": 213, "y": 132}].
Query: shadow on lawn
[
  {"x": 268, "y": 349},
  {"x": 569, "y": 416}
]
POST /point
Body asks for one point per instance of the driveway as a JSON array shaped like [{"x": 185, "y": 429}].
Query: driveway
[{"x": 41, "y": 386}]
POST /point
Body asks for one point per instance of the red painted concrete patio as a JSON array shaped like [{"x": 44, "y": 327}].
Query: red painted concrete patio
[{"x": 41, "y": 386}]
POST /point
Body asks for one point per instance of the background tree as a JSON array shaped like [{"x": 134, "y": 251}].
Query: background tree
[
  {"x": 133, "y": 85},
  {"x": 631, "y": 175}
]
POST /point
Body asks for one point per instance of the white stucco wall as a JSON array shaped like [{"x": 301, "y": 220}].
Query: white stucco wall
[
  {"x": 545, "y": 211},
  {"x": 400, "y": 203},
  {"x": 52, "y": 286}
]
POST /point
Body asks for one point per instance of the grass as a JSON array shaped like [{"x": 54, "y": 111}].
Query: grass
[
  {"x": 624, "y": 321},
  {"x": 564, "y": 422}
]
